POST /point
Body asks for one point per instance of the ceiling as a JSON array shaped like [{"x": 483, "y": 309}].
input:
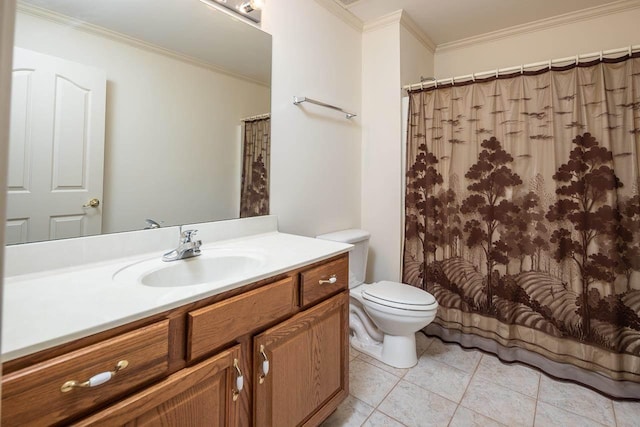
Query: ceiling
[{"x": 445, "y": 21}]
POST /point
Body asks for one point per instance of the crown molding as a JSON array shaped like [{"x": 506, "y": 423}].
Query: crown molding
[
  {"x": 542, "y": 24},
  {"x": 96, "y": 30},
  {"x": 383, "y": 21},
  {"x": 413, "y": 28},
  {"x": 342, "y": 13}
]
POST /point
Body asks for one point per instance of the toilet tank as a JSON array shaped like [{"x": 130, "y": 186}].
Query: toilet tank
[{"x": 358, "y": 256}]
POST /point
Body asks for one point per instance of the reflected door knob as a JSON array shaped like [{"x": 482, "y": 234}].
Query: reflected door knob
[{"x": 93, "y": 203}]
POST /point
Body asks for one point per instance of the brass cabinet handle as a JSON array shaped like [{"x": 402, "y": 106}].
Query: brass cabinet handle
[
  {"x": 95, "y": 380},
  {"x": 239, "y": 380},
  {"x": 93, "y": 203},
  {"x": 265, "y": 365},
  {"x": 332, "y": 279}
]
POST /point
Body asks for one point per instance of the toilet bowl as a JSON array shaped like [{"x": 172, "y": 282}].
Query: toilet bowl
[{"x": 384, "y": 316}]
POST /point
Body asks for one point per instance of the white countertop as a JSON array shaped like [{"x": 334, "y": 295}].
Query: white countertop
[{"x": 45, "y": 309}]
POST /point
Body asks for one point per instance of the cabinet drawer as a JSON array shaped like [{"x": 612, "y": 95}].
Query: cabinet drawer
[
  {"x": 221, "y": 323},
  {"x": 201, "y": 395},
  {"x": 33, "y": 396},
  {"x": 315, "y": 282}
]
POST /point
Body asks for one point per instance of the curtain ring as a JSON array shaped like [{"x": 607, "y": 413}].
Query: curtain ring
[
  {"x": 473, "y": 77},
  {"x": 577, "y": 59},
  {"x": 453, "y": 81},
  {"x": 601, "y": 56},
  {"x": 436, "y": 84},
  {"x": 630, "y": 51},
  {"x": 550, "y": 64},
  {"x": 421, "y": 85},
  {"x": 521, "y": 69}
]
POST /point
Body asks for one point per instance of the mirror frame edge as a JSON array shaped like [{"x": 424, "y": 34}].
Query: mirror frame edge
[{"x": 7, "y": 27}]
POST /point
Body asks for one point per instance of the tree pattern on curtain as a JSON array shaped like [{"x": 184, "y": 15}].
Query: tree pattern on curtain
[
  {"x": 523, "y": 211},
  {"x": 254, "y": 197}
]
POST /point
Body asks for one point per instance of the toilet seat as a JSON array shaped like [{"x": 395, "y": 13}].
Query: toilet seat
[{"x": 399, "y": 296}]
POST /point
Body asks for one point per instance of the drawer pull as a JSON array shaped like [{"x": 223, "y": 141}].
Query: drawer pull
[
  {"x": 332, "y": 279},
  {"x": 95, "y": 380},
  {"x": 239, "y": 380},
  {"x": 265, "y": 365}
]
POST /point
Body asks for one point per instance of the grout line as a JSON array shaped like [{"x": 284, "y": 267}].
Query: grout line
[
  {"x": 566, "y": 409},
  {"x": 468, "y": 385},
  {"x": 535, "y": 409}
]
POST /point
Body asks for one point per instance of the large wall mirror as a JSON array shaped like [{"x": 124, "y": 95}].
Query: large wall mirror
[{"x": 124, "y": 111}]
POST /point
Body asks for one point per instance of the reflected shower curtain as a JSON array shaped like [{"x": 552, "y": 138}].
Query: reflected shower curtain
[
  {"x": 522, "y": 217},
  {"x": 254, "y": 195}
]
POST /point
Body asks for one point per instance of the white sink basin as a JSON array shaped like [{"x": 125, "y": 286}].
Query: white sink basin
[{"x": 210, "y": 267}]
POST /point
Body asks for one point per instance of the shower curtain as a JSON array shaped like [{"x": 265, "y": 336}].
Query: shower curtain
[
  {"x": 254, "y": 195},
  {"x": 522, "y": 217}
]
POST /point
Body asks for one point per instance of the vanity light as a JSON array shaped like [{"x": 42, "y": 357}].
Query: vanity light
[
  {"x": 251, "y": 5},
  {"x": 238, "y": 8}
]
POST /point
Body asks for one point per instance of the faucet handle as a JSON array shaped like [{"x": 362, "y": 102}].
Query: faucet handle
[{"x": 187, "y": 235}]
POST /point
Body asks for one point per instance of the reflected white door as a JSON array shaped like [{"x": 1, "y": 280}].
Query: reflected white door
[{"x": 56, "y": 148}]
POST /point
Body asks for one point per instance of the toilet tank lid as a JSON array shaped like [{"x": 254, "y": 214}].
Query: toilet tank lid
[{"x": 346, "y": 236}]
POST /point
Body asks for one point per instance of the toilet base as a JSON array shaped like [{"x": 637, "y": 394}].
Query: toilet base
[{"x": 394, "y": 350}]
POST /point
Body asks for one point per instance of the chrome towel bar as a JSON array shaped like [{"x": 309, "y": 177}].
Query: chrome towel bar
[{"x": 300, "y": 99}]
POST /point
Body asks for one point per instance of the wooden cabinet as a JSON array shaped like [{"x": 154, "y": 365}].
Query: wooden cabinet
[
  {"x": 213, "y": 326},
  {"x": 306, "y": 360},
  {"x": 34, "y": 395},
  {"x": 184, "y": 365},
  {"x": 202, "y": 395},
  {"x": 318, "y": 282}
]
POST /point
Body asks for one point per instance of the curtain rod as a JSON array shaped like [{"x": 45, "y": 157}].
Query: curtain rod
[
  {"x": 522, "y": 68},
  {"x": 258, "y": 117}
]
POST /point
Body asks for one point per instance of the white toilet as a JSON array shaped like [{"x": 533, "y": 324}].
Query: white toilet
[{"x": 393, "y": 312}]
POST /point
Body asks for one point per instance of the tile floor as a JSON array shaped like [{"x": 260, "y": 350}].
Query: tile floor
[{"x": 451, "y": 386}]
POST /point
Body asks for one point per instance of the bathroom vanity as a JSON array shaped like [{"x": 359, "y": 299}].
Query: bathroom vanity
[{"x": 267, "y": 349}]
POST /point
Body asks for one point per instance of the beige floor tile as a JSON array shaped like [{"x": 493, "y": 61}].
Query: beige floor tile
[
  {"x": 467, "y": 418},
  {"x": 454, "y": 355},
  {"x": 353, "y": 353},
  {"x": 627, "y": 413},
  {"x": 351, "y": 413},
  {"x": 369, "y": 383},
  {"x": 439, "y": 378},
  {"x": 577, "y": 399},
  {"x": 398, "y": 372},
  {"x": 422, "y": 343},
  {"x": 417, "y": 407},
  {"x": 550, "y": 416},
  {"x": 378, "y": 419},
  {"x": 512, "y": 376},
  {"x": 499, "y": 403}
]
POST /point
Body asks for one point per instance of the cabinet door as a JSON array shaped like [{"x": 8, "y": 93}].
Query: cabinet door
[
  {"x": 308, "y": 362},
  {"x": 202, "y": 395}
]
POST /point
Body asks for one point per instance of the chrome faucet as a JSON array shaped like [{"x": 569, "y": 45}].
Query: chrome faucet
[
  {"x": 186, "y": 249},
  {"x": 151, "y": 224}
]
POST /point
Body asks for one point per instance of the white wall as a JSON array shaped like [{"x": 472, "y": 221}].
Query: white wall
[
  {"x": 392, "y": 56},
  {"x": 315, "y": 165},
  {"x": 416, "y": 59},
  {"x": 171, "y": 148},
  {"x": 381, "y": 149},
  {"x": 601, "y": 33}
]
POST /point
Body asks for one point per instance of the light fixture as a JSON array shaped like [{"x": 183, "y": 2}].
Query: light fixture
[
  {"x": 251, "y": 5},
  {"x": 248, "y": 11}
]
